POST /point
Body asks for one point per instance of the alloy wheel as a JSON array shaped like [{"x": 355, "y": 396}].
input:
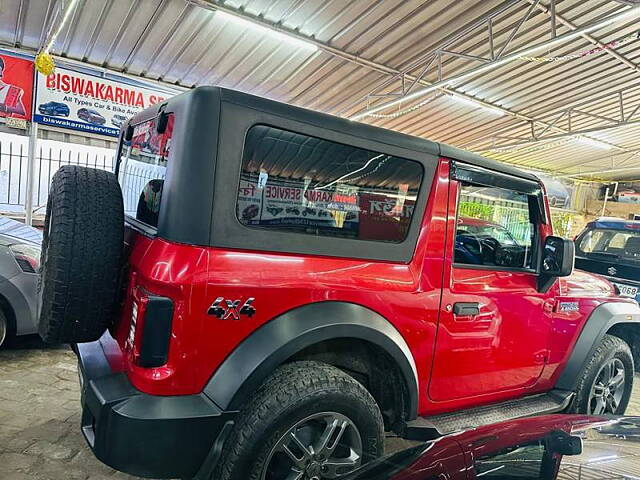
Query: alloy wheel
[
  {"x": 322, "y": 446},
  {"x": 608, "y": 388}
]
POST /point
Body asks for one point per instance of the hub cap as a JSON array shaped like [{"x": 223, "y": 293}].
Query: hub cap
[
  {"x": 608, "y": 389},
  {"x": 321, "y": 446}
]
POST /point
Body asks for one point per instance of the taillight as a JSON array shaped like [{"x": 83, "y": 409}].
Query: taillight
[
  {"x": 27, "y": 257},
  {"x": 150, "y": 329}
]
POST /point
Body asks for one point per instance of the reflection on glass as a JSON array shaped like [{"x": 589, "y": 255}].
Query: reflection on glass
[
  {"x": 495, "y": 227},
  {"x": 143, "y": 168},
  {"x": 297, "y": 183}
]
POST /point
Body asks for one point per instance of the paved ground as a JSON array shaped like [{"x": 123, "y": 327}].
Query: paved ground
[{"x": 40, "y": 414}]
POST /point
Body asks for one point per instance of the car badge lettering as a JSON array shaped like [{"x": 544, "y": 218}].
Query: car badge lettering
[
  {"x": 226, "y": 309},
  {"x": 568, "y": 307},
  {"x": 612, "y": 271}
]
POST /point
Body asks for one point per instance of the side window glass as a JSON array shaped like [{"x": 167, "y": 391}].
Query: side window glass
[
  {"x": 494, "y": 228},
  {"x": 295, "y": 183}
]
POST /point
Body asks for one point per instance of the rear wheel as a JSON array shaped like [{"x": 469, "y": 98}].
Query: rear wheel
[
  {"x": 606, "y": 382},
  {"x": 308, "y": 421}
]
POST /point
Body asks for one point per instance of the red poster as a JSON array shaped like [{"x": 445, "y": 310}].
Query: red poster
[{"x": 16, "y": 87}]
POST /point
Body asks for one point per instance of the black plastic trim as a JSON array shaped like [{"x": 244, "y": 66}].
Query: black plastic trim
[
  {"x": 141, "y": 434},
  {"x": 481, "y": 176},
  {"x": 275, "y": 342},
  {"x": 597, "y": 325}
]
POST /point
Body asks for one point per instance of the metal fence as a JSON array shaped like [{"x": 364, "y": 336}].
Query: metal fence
[{"x": 13, "y": 173}]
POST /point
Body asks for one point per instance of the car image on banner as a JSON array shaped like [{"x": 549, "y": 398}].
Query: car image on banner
[
  {"x": 16, "y": 87},
  {"x": 91, "y": 116},
  {"x": 55, "y": 109},
  {"x": 93, "y": 104}
]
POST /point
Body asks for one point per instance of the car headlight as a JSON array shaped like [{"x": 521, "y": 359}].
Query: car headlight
[{"x": 27, "y": 256}]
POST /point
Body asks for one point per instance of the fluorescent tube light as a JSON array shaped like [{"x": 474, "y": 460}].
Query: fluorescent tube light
[
  {"x": 281, "y": 36},
  {"x": 593, "y": 143},
  {"x": 471, "y": 103}
]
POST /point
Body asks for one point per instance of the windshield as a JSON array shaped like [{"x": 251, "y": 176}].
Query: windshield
[
  {"x": 621, "y": 243},
  {"x": 143, "y": 166}
]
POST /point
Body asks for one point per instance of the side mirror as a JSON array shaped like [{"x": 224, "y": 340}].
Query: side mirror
[
  {"x": 558, "y": 257},
  {"x": 564, "y": 444}
]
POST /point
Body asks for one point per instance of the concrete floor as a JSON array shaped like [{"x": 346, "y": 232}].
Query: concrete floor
[{"x": 40, "y": 414}]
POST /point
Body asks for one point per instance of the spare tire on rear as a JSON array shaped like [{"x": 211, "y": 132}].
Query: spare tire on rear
[{"x": 81, "y": 255}]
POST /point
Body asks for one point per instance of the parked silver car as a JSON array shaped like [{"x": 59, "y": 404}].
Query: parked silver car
[{"x": 19, "y": 262}]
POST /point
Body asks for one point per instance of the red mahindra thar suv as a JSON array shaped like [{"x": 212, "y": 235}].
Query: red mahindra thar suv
[{"x": 261, "y": 291}]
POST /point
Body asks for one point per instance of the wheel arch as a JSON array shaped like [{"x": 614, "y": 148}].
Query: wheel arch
[
  {"x": 615, "y": 318},
  {"x": 298, "y": 330}
]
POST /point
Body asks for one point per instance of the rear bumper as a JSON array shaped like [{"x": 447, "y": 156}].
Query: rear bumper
[{"x": 141, "y": 434}]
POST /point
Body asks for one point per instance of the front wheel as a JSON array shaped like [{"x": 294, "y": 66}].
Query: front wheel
[
  {"x": 606, "y": 382},
  {"x": 309, "y": 420}
]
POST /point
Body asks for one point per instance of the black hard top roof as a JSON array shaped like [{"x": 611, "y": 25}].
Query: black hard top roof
[
  {"x": 339, "y": 124},
  {"x": 344, "y": 125}
]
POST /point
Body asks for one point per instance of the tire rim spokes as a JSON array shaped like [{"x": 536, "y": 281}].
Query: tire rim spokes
[
  {"x": 322, "y": 446},
  {"x": 608, "y": 388}
]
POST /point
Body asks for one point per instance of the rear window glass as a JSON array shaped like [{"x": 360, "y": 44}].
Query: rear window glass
[
  {"x": 143, "y": 166},
  {"x": 296, "y": 183}
]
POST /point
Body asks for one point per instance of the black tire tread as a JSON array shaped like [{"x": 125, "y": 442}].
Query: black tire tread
[
  {"x": 609, "y": 346},
  {"x": 79, "y": 281},
  {"x": 290, "y": 384}
]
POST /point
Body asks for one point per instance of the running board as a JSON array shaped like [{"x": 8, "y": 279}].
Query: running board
[{"x": 428, "y": 428}]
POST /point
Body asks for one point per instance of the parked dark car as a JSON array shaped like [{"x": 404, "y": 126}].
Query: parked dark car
[
  {"x": 55, "y": 109},
  {"x": 118, "y": 120},
  {"x": 542, "y": 448},
  {"x": 91, "y": 116},
  {"x": 611, "y": 247}
]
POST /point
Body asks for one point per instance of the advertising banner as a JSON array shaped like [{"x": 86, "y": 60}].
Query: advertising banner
[
  {"x": 16, "y": 87},
  {"x": 79, "y": 101}
]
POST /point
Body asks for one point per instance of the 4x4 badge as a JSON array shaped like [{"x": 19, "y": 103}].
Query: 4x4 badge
[{"x": 230, "y": 308}]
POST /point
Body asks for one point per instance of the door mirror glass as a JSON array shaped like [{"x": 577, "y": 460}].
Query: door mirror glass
[{"x": 557, "y": 257}]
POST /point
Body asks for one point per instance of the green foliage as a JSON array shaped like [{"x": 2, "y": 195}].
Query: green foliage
[
  {"x": 476, "y": 210},
  {"x": 561, "y": 222}
]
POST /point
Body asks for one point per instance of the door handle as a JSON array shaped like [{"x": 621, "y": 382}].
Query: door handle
[{"x": 466, "y": 309}]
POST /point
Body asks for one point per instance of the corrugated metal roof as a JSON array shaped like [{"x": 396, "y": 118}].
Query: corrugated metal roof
[{"x": 180, "y": 42}]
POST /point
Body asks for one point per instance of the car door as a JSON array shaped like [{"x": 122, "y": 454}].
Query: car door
[{"x": 493, "y": 327}]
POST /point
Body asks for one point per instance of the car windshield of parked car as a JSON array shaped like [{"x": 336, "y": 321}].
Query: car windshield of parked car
[
  {"x": 142, "y": 170},
  {"x": 620, "y": 243}
]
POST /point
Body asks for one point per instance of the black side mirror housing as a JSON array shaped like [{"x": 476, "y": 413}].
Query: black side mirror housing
[
  {"x": 564, "y": 444},
  {"x": 558, "y": 258}
]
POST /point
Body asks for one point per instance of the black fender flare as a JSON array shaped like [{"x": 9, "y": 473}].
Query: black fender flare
[
  {"x": 273, "y": 343},
  {"x": 596, "y": 327}
]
